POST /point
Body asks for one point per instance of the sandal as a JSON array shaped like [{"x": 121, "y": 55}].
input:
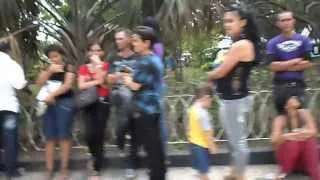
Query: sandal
[
  {"x": 65, "y": 174},
  {"x": 49, "y": 175},
  {"x": 230, "y": 177},
  {"x": 94, "y": 175}
]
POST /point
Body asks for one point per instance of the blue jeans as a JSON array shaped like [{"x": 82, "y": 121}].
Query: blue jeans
[
  {"x": 121, "y": 100},
  {"x": 58, "y": 119},
  {"x": 9, "y": 128},
  {"x": 200, "y": 158}
]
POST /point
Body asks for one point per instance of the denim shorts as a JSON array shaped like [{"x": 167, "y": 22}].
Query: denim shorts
[
  {"x": 57, "y": 120},
  {"x": 200, "y": 158}
]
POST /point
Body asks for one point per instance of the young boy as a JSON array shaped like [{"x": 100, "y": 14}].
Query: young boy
[{"x": 201, "y": 132}]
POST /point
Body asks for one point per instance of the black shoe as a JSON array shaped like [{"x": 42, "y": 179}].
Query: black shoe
[{"x": 16, "y": 173}]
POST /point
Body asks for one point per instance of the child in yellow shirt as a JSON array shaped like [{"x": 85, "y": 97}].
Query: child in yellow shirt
[{"x": 200, "y": 132}]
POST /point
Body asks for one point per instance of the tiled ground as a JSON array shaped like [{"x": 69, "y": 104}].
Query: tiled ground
[{"x": 217, "y": 173}]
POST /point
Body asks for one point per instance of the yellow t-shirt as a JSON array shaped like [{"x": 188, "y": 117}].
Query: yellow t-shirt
[{"x": 198, "y": 122}]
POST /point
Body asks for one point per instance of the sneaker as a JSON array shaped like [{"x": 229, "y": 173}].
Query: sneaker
[{"x": 130, "y": 173}]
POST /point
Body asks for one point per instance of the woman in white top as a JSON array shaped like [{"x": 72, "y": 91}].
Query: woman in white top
[{"x": 11, "y": 78}]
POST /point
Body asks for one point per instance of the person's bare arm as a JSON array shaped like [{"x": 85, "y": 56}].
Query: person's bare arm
[
  {"x": 237, "y": 52},
  {"x": 210, "y": 140},
  {"x": 66, "y": 86},
  {"x": 83, "y": 84},
  {"x": 277, "y": 137},
  {"x": 43, "y": 77},
  {"x": 301, "y": 66},
  {"x": 46, "y": 74},
  {"x": 276, "y": 134},
  {"x": 278, "y": 66},
  {"x": 310, "y": 129},
  {"x": 132, "y": 85}
]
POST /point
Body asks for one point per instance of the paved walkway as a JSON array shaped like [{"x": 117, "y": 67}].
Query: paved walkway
[{"x": 217, "y": 173}]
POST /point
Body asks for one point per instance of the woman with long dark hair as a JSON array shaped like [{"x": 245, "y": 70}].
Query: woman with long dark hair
[
  {"x": 57, "y": 120},
  {"x": 232, "y": 84},
  {"x": 93, "y": 74}
]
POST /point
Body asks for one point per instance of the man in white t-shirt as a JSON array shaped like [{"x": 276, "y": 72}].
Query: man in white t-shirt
[{"x": 11, "y": 79}]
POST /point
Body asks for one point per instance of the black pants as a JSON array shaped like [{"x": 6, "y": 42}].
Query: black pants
[
  {"x": 134, "y": 161},
  {"x": 147, "y": 131},
  {"x": 122, "y": 129},
  {"x": 96, "y": 121}
]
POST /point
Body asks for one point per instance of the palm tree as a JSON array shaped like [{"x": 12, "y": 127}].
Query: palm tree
[
  {"x": 17, "y": 18},
  {"x": 75, "y": 23}
]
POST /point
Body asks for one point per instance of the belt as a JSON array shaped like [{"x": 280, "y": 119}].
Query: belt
[{"x": 104, "y": 100}]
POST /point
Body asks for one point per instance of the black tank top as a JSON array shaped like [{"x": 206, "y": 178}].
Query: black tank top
[
  {"x": 235, "y": 84},
  {"x": 60, "y": 77}
]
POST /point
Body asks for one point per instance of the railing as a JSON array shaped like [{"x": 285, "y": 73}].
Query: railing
[{"x": 259, "y": 118}]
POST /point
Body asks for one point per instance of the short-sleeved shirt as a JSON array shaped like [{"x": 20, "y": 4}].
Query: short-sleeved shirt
[
  {"x": 198, "y": 123},
  {"x": 148, "y": 72},
  {"x": 85, "y": 72},
  {"x": 284, "y": 49},
  {"x": 117, "y": 62},
  {"x": 11, "y": 78}
]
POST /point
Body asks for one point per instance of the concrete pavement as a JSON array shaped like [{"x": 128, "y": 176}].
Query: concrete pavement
[{"x": 183, "y": 173}]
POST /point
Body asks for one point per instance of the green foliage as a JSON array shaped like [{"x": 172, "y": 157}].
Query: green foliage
[{"x": 200, "y": 45}]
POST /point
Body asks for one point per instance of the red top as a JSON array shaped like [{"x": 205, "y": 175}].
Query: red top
[{"x": 84, "y": 72}]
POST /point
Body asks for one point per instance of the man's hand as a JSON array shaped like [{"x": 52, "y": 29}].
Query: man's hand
[
  {"x": 127, "y": 80},
  {"x": 296, "y": 61}
]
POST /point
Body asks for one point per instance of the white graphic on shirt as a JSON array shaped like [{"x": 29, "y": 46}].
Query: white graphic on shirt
[{"x": 289, "y": 46}]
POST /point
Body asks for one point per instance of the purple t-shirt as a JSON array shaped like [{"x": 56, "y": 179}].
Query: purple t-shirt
[
  {"x": 284, "y": 49},
  {"x": 158, "y": 50}
]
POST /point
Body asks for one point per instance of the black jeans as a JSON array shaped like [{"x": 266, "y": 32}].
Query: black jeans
[
  {"x": 9, "y": 127},
  {"x": 147, "y": 131},
  {"x": 96, "y": 122}
]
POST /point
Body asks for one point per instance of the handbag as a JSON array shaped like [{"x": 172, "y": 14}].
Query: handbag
[{"x": 86, "y": 98}]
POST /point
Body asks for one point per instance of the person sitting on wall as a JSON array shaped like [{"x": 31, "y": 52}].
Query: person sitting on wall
[{"x": 293, "y": 137}]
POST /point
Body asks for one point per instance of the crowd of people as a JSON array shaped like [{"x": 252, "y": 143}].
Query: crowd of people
[{"x": 131, "y": 80}]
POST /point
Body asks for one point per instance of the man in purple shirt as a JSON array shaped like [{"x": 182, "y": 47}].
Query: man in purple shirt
[{"x": 289, "y": 57}]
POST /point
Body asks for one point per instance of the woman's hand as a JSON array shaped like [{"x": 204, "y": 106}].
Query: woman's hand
[
  {"x": 55, "y": 68},
  {"x": 50, "y": 100},
  {"x": 95, "y": 59},
  {"x": 100, "y": 76},
  {"x": 305, "y": 134}
]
